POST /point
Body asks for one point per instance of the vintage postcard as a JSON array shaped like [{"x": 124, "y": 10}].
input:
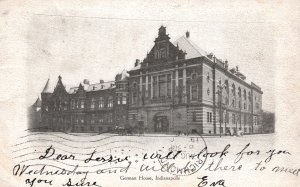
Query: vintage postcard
[{"x": 149, "y": 93}]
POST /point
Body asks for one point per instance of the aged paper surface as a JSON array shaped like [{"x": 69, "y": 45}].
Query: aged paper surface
[{"x": 130, "y": 93}]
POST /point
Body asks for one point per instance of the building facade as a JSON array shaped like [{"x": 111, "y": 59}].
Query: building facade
[
  {"x": 178, "y": 87},
  {"x": 86, "y": 108}
]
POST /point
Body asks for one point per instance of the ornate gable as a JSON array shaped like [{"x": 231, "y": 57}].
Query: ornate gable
[{"x": 163, "y": 50}]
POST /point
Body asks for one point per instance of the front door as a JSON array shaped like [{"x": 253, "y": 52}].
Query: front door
[{"x": 161, "y": 124}]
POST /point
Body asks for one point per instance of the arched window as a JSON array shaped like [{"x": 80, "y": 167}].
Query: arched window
[
  {"x": 233, "y": 90},
  {"x": 239, "y": 92},
  {"x": 245, "y": 94}
]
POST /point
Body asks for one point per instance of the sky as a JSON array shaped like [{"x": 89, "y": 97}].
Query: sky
[{"x": 97, "y": 42}]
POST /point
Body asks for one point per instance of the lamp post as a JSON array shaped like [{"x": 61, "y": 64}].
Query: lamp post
[{"x": 219, "y": 92}]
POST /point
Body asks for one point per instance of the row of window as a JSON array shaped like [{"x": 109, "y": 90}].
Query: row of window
[
  {"x": 91, "y": 128},
  {"x": 233, "y": 129},
  {"x": 100, "y": 103},
  {"x": 81, "y": 119},
  {"x": 233, "y": 90},
  {"x": 94, "y": 103},
  {"x": 236, "y": 118}
]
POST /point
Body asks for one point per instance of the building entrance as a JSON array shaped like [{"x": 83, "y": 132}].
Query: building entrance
[{"x": 161, "y": 124}]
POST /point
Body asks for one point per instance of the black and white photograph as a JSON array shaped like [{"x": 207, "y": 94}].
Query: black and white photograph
[{"x": 166, "y": 93}]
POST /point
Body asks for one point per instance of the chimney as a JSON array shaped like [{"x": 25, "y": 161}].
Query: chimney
[
  {"x": 101, "y": 81},
  {"x": 226, "y": 64},
  {"x": 137, "y": 61},
  {"x": 187, "y": 34},
  {"x": 214, "y": 59}
]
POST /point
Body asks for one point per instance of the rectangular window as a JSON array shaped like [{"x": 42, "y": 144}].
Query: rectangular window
[
  {"x": 101, "y": 102},
  {"x": 119, "y": 99},
  {"x": 169, "y": 85},
  {"x": 155, "y": 87},
  {"x": 124, "y": 99},
  {"x": 162, "y": 53},
  {"x": 65, "y": 105},
  {"x": 133, "y": 116},
  {"x": 82, "y": 104},
  {"x": 194, "y": 117},
  {"x": 93, "y": 119},
  {"x": 110, "y": 102},
  {"x": 92, "y": 103},
  {"x": 180, "y": 73},
  {"x": 227, "y": 118},
  {"x": 194, "y": 92},
  {"x": 233, "y": 118},
  {"x": 255, "y": 120},
  {"x": 134, "y": 98},
  {"x": 109, "y": 119},
  {"x": 209, "y": 117},
  {"x": 72, "y": 103},
  {"x": 162, "y": 86}
]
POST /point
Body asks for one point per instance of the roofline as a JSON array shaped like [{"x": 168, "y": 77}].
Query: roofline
[{"x": 233, "y": 76}]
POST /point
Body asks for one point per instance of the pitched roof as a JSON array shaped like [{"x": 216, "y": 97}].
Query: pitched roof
[
  {"x": 122, "y": 76},
  {"x": 37, "y": 103},
  {"x": 48, "y": 87},
  {"x": 94, "y": 87},
  {"x": 189, "y": 47},
  {"x": 101, "y": 86}
]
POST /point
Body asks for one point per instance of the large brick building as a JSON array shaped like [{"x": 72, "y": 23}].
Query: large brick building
[
  {"x": 87, "y": 108},
  {"x": 178, "y": 87}
]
